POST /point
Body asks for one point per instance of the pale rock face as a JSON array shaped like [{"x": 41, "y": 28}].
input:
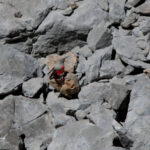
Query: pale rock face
[{"x": 103, "y": 102}]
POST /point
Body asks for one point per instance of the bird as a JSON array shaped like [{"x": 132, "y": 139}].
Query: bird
[{"x": 57, "y": 71}]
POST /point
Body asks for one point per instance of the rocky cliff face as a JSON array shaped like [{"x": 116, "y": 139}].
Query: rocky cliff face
[{"x": 111, "y": 39}]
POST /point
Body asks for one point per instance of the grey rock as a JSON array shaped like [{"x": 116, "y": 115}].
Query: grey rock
[
  {"x": 32, "y": 87},
  {"x": 15, "y": 67},
  {"x": 93, "y": 92},
  {"x": 129, "y": 20},
  {"x": 27, "y": 110},
  {"x": 15, "y": 24},
  {"x": 68, "y": 11},
  {"x": 84, "y": 51},
  {"x": 136, "y": 64},
  {"x": 117, "y": 95},
  {"x": 81, "y": 68},
  {"x": 61, "y": 4},
  {"x": 60, "y": 36},
  {"x": 124, "y": 137},
  {"x": 138, "y": 113},
  {"x": 6, "y": 115},
  {"x": 29, "y": 118},
  {"x": 144, "y": 9},
  {"x": 99, "y": 37},
  {"x": 133, "y": 2},
  {"x": 103, "y": 4},
  {"x": 59, "y": 107},
  {"x": 94, "y": 63},
  {"x": 116, "y": 10},
  {"x": 80, "y": 114},
  {"x": 141, "y": 44},
  {"x": 126, "y": 46},
  {"x": 111, "y": 68},
  {"x": 144, "y": 25},
  {"x": 81, "y": 135},
  {"x": 62, "y": 119},
  {"x": 100, "y": 116},
  {"x": 88, "y": 15}
]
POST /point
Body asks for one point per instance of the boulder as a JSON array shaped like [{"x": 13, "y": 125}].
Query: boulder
[
  {"x": 6, "y": 115},
  {"x": 116, "y": 10},
  {"x": 100, "y": 116},
  {"x": 81, "y": 135},
  {"x": 133, "y": 2},
  {"x": 28, "y": 117},
  {"x": 144, "y": 9},
  {"x": 32, "y": 87},
  {"x": 129, "y": 20},
  {"x": 111, "y": 68},
  {"x": 93, "y": 63},
  {"x": 93, "y": 92},
  {"x": 126, "y": 46},
  {"x": 99, "y": 37},
  {"x": 27, "y": 110},
  {"x": 88, "y": 15},
  {"x": 15, "y": 67},
  {"x": 137, "y": 122}
]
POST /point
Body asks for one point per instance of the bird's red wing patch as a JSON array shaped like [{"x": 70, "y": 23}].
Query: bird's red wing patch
[{"x": 59, "y": 72}]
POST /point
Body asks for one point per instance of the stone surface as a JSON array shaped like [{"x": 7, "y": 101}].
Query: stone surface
[
  {"x": 15, "y": 67},
  {"x": 93, "y": 92},
  {"x": 100, "y": 116},
  {"x": 29, "y": 117},
  {"x": 6, "y": 115},
  {"x": 88, "y": 15},
  {"x": 133, "y": 2},
  {"x": 111, "y": 68},
  {"x": 99, "y": 37},
  {"x": 32, "y": 87},
  {"x": 137, "y": 122},
  {"x": 93, "y": 64},
  {"x": 116, "y": 10},
  {"x": 144, "y": 9},
  {"x": 67, "y": 137},
  {"x": 129, "y": 20},
  {"x": 126, "y": 46}
]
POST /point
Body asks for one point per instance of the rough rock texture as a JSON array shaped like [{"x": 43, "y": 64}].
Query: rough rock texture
[
  {"x": 99, "y": 37},
  {"x": 32, "y": 87},
  {"x": 103, "y": 103},
  {"x": 15, "y": 68}
]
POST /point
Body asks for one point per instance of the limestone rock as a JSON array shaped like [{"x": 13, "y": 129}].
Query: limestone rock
[
  {"x": 133, "y": 2},
  {"x": 126, "y": 46},
  {"x": 94, "y": 62},
  {"x": 70, "y": 62},
  {"x": 32, "y": 87},
  {"x": 99, "y": 37},
  {"x": 6, "y": 115},
  {"x": 144, "y": 8},
  {"x": 81, "y": 135},
  {"x": 116, "y": 10},
  {"x": 15, "y": 67},
  {"x": 70, "y": 86}
]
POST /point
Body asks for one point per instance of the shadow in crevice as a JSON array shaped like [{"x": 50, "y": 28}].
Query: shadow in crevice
[
  {"x": 116, "y": 142},
  {"x": 123, "y": 109},
  {"x": 21, "y": 145}
]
